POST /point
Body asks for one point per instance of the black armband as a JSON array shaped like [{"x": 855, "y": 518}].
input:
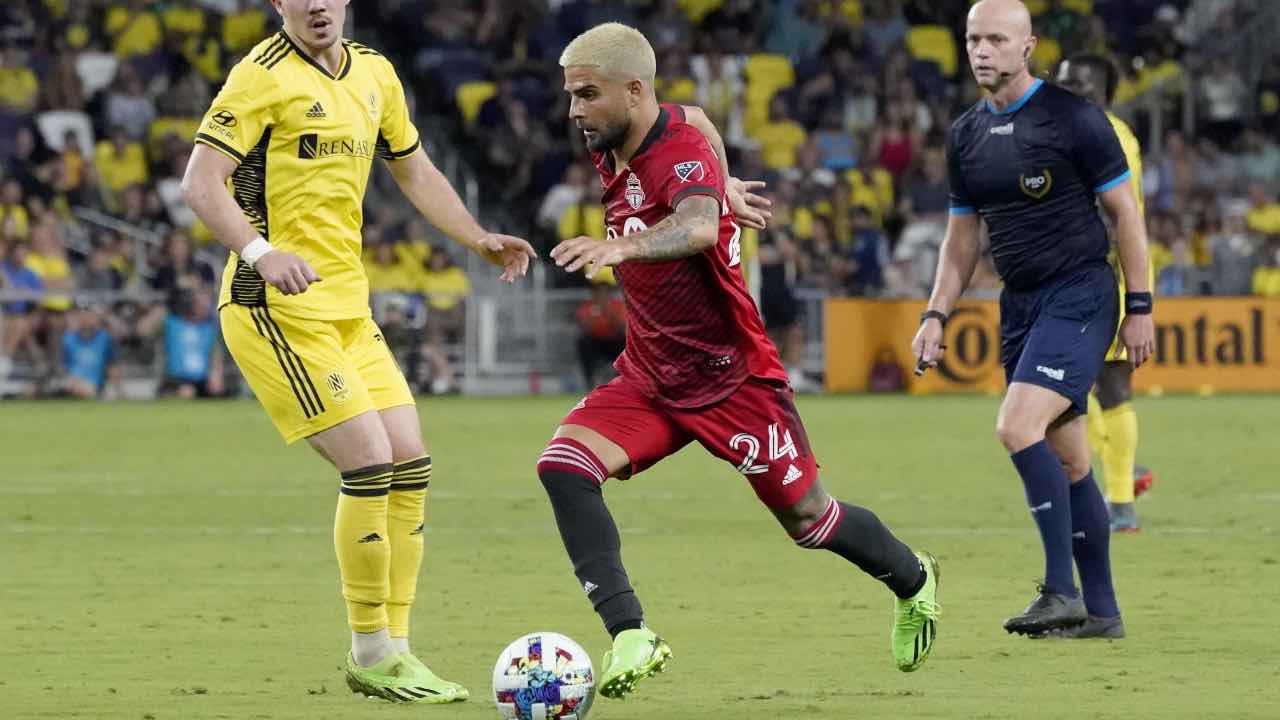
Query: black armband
[
  {"x": 941, "y": 316},
  {"x": 1137, "y": 303}
]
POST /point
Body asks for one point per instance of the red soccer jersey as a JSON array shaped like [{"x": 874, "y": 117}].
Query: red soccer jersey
[{"x": 693, "y": 332}]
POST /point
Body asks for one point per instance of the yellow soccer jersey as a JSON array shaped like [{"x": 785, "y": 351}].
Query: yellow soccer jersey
[
  {"x": 1132, "y": 154},
  {"x": 305, "y": 141}
]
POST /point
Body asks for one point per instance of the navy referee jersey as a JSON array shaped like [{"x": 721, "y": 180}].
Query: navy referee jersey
[{"x": 1032, "y": 172}]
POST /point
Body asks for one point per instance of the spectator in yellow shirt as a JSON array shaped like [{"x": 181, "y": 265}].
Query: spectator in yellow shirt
[
  {"x": 673, "y": 84},
  {"x": 415, "y": 247},
  {"x": 13, "y": 215},
  {"x": 70, "y": 169},
  {"x": 1266, "y": 279},
  {"x": 120, "y": 162},
  {"x": 446, "y": 287},
  {"x": 389, "y": 273},
  {"x": 781, "y": 137},
  {"x": 133, "y": 28},
  {"x": 1264, "y": 211},
  {"x": 242, "y": 29},
  {"x": 48, "y": 260},
  {"x": 18, "y": 85}
]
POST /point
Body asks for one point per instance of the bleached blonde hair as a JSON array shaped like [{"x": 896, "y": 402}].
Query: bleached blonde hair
[{"x": 619, "y": 51}]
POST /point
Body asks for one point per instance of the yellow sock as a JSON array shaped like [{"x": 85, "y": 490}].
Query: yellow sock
[
  {"x": 406, "y": 510},
  {"x": 1118, "y": 455},
  {"x": 1096, "y": 427},
  {"x": 360, "y": 539}
]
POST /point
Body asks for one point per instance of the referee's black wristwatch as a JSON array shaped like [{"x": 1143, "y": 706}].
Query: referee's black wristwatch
[{"x": 941, "y": 316}]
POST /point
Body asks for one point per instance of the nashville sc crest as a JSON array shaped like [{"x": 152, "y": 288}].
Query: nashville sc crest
[{"x": 634, "y": 193}]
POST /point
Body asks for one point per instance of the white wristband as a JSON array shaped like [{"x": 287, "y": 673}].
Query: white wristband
[{"x": 255, "y": 250}]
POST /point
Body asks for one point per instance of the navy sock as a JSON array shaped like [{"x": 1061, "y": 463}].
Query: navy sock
[
  {"x": 1091, "y": 545},
  {"x": 1049, "y": 499}
]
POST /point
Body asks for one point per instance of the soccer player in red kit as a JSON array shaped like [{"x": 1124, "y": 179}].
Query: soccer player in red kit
[{"x": 697, "y": 364}]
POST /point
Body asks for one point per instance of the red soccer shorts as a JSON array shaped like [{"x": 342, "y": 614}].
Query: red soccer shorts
[{"x": 756, "y": 429}]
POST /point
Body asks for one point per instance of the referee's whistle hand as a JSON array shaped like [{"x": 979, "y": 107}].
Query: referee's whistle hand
[
  {"x": 1138, "y": 334},
  {"x": 927, "y": 345},
  {"x": 286, "y": 272}
]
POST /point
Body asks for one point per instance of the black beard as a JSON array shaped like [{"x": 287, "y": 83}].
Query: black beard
[{"x": 611, "y": 137}]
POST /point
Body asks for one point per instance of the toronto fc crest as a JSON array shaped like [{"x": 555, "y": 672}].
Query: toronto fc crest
[{"x": 634, "y": 193}]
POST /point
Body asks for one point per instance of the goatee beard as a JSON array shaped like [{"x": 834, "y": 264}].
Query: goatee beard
[{"x": 610, "y": 138}]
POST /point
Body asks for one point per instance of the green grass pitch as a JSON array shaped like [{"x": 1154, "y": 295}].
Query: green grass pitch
[{"x": 175, "y": 562}]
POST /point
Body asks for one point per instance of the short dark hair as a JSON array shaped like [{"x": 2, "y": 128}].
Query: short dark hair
[{"x": 1102, "y": 65}]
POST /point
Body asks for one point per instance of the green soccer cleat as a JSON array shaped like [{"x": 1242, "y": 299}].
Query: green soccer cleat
[
  {"x": 426, "y": 678},
  {"x": 915, "y": 620},
  {"x": 636, "y": 655},
  {"x": 402, "y": 678}
]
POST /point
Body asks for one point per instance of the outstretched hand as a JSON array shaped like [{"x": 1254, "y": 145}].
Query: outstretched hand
[
  {"x": 749, "y": 208},
  {"x": 511, "y": 253},
  {"x": 589, "y": 254}
]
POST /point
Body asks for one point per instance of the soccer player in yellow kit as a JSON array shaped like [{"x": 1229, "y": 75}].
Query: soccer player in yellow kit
[
  {"x": 1113, "y": 424},
  {"x": 295, "y": 131}
]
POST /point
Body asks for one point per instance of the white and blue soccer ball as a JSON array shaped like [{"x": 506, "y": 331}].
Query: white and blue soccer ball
[{"x": 544, "y": 676}]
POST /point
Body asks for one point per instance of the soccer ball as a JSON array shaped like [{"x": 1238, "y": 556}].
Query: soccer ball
[{"x": 544, "y": 676}]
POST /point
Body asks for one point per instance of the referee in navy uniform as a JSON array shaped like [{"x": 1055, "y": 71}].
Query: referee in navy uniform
[{"x": 1034, "y": 162}]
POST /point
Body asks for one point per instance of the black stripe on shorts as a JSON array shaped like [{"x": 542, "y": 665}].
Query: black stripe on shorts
[{"x": 295, "y": 371}]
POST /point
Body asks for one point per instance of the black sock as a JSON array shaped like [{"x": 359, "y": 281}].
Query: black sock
[
  {"x": 857, "y": 535},
  {"x": 591, "y": 539}
]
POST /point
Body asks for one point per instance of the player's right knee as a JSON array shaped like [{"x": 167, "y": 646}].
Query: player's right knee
[
  {"x": 1015, "y": 435},
  {"x": 566, "y": 456},
  {"x": 817, "y": 528}
]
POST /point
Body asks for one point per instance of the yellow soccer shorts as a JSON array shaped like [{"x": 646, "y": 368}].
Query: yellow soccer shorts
[
  {"x": 1117, "y": 352},
  {"x": 309, "y": 374}
]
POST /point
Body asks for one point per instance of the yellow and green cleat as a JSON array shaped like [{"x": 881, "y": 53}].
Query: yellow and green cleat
[
  {"x": 636, "y": 655},
  {"x": 402, "y": 678},
  {"x": 915, "y": 620}
]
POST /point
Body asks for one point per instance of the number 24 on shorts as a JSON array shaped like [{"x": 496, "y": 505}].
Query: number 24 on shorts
[{"x": 749, "y": 445}]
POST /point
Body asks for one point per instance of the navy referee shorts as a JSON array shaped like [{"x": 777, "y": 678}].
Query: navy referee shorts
[{"x": 1056, "y": 335}]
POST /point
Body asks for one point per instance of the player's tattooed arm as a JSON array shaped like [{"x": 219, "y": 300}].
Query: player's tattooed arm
[
  {"x": 691, "y": 229},
  {"x": 694, "y": 227}
]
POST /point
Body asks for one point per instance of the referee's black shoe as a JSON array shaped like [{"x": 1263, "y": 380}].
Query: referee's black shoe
[{"x": 1049, "y": 611}]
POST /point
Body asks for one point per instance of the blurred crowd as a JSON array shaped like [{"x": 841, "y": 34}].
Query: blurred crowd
[
  {"x": 102, "y": 264},
  {"x": 841, "y": 105}
]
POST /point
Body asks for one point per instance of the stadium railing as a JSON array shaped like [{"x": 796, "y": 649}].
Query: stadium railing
[{"x": 524, "y": 339}]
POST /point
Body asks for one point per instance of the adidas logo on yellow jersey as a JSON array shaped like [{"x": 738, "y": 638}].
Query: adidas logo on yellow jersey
[{"x": 316, "y": 111}]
